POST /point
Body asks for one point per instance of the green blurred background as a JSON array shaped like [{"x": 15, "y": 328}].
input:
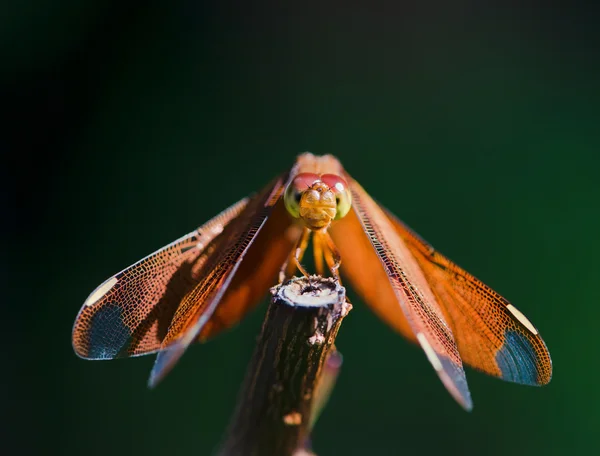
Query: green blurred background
[{"x": 130, "y": 123}]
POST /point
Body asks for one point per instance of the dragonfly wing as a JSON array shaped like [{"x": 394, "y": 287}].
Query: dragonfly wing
[
  {"x": 129, "y": 314},
  {"x": 218, "y": 284},
  {"x": 492, "y": 335},
  {"x": 258, "y": 271},
  {"x": 358, "y": 256},
  {"x": 409, "y": 289}
]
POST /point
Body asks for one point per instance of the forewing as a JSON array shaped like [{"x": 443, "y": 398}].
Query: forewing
[
  {"x": 492, "y": 335},
  {"x": 199, "y": 305},
  {"x": 410, "y": 290},
  {"x": 129, "y": 314}
]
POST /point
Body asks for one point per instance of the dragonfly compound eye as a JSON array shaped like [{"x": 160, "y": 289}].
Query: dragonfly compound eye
[
  {"x": 291, "y": 198},
  {"x": 343, "y": 196}
]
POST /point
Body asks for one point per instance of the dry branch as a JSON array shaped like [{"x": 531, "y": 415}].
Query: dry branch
[{"x": 274, "y": 413}]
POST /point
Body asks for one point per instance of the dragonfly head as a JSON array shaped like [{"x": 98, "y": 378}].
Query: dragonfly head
[{"x": 317, "y": 199}]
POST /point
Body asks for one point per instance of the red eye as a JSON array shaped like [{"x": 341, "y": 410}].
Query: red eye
[
  {"x": 335, "y": 183},
  {"x": 304, "y": 181}
]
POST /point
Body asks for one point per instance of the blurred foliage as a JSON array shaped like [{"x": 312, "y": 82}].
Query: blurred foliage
[{"x": 132, "y": 123}]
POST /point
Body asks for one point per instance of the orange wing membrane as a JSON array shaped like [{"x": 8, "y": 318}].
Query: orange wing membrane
[
  {"x": 129, "y": 314},
  {"x": 492, "y": 335},
  {"x": 208, "y": 280},
  {"x": 199, "y": 304},
  {"x": 413, "y": 295}
]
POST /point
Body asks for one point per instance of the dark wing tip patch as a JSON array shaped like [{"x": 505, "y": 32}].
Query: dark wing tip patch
[
  {"x": 519, "y": 362},
  {"x": 108, "y": 335}
]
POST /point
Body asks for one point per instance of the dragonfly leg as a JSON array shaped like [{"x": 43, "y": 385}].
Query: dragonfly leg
[
  {"x": 295, "y": 257},
  {"x": 332, "y": 255},
  {"x": 283, "y": 272},
  {"x": 300, "y": 249}
]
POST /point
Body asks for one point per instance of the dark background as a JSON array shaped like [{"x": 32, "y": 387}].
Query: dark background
[{"x": 128, "y": 124}]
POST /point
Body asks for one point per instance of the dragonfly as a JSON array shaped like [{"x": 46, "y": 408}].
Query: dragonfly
[{"x": 209, "y": 279}]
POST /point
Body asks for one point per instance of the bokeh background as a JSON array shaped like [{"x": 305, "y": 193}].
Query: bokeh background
[{"x": 127, "y": 124}]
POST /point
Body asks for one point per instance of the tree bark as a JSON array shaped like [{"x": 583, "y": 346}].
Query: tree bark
[{"x": 274, "y": 413}]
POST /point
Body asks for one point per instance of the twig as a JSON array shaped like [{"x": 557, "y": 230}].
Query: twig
[{"x": 274, "y": 413}]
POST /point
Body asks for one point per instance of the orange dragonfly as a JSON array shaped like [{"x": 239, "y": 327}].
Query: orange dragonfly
[{"x": 209, "y": 279}]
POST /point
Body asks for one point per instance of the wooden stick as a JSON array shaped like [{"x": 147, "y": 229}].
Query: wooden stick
[{"x": 274, "y": 411}]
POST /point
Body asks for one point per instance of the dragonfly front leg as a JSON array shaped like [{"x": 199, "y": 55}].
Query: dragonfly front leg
[
  {"x": 300, "y": 249},
  {"x": 295, "y": 257},
  {"x": 332, "y": 255}
]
